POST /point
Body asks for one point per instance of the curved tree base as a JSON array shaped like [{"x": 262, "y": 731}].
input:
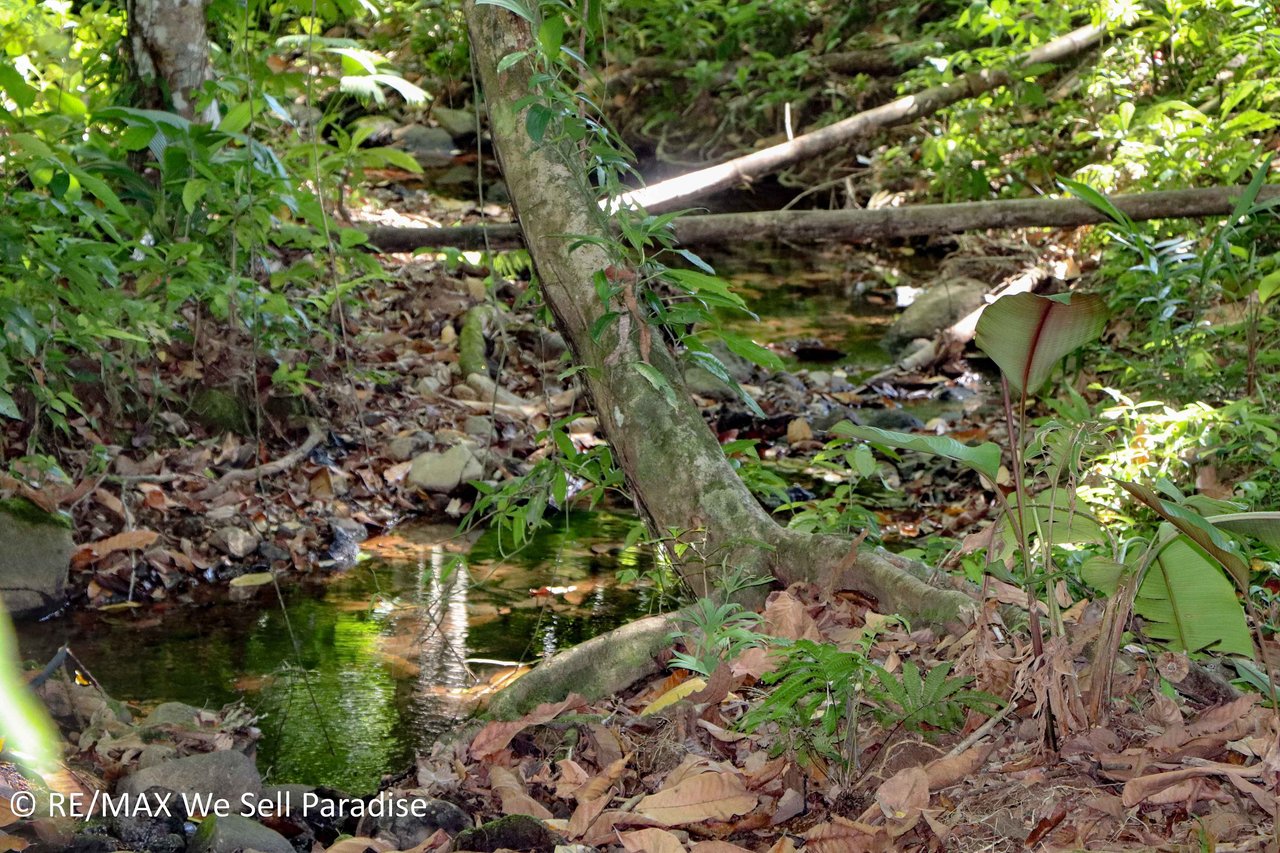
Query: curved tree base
[{"x": 612, "y": 662}]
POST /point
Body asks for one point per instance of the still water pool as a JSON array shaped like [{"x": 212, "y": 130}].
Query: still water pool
[{"x": 352, "y": 675}]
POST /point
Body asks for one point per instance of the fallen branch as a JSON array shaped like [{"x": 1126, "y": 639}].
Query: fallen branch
[
  {"x": 315, "y": 435},
  {"x": 680, "y": 190},
  {"x": 919, "y": 220}
]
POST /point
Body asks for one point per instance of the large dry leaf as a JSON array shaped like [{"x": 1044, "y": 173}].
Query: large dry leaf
[
  {"x": 572, "y": 777},
  {"x": 1147, "y": 788},
  {"x": 674, "y": 695},
  {"x": 585, "y": 815},
  {"x": 950, "y": 769},
  {"x": 93, "y": 551},
  {"x": 650, "y": 841},
  {"x": 755, "y": 663},
  {"x": 599, "y": 785},
  {"x": 707, "y": 796},
  {"x": 494, "y": 737},
  {"x": 841, "y": 835},
  {"x": 515, "y": 800},
  {"x": 604, "y": 830},
  {"x": 717, "y": 847},
  {"x": 783, "y": 845},
  {"x": 790, "y": 804},
  {"x": 785, "y": 616},
  {"x": 902, "y": 796}
]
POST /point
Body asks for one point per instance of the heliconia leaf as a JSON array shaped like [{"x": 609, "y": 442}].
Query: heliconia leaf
[
  {"x": 1260, "y": 525},
  {"x": 1198, "y": 529},
  {"x": 1188, "y": 602},
  {"x": 1026, "y": 334}
]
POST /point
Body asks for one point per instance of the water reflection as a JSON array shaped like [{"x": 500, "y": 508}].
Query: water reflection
[{"x": 353, "y": 675}]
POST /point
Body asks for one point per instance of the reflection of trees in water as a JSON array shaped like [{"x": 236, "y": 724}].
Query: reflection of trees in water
[{"x": 442, "y": 587}]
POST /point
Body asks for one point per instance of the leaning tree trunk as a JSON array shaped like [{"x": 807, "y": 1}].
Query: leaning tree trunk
[
  {"x": 677, "y": 472},
  {"x": 169, "y": 49}
]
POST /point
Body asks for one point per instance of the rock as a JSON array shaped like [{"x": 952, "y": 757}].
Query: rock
[
  {"x": 938, "y": 307},
  {"x": 234, "y": 542},
  {"x": 819, "y": 378},
  {"x": 461, "y": 124},
  {"x": 427, "y": 386},
  {"x": 154, "y": 754},
  {"x": 444, "y": 472},
  {"x": 478, "y": 425},
  {"x": 703, "y": 383},
  {"x": 173, "y": 714},
  {"x": 409, "y": 825},
  {"x": 160, "y": 831},
  {"x": 289, "y": 794},
  {"x": 35, "y": 557},
  {"x": 432, "y": 147},
  {"x": 892, "y": 419},
  {"x": 227, "y": 774},
  {"x": 490, "y": 390},
  {"x": 273, "y": 553},
  {"x": 402, "y": 448},
  {"x": 516, "y": 832},
  {"x": 233, "y": 834},
  {"x": 351, "y": 529}
]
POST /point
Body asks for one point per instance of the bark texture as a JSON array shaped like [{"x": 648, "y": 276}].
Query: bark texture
[
  {"x": 677, "y": 471},
  {"x": 919, "y": 220},
  {"x": 169, "y": 47}
]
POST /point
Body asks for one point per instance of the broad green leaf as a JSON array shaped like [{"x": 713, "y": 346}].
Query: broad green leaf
[
  {"x": 985, "y": 458},
  {"x": 1189, "y": 603},
  {"x": 1198, "y": 529},
  {"x": 751, "y": 351},
  {"x": 193, "y": 192},
  {"x": 1102, "y": 574},
  {"x": 1269, "y": 286},
  {"x": 237, "y": 118},
  {"x": 511, "y": 59},
  {"x": 1026, "y": 335},
  {"x": 8, "y": 408},
  {"x": 1260, "y": 525},
  {"x": 376, "y": 157},
  {"x": 536, "y": 121},
  {"x": 17, "y": 88}
]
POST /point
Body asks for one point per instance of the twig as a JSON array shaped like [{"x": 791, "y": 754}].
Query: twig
[{"x": 982, "y": 731}]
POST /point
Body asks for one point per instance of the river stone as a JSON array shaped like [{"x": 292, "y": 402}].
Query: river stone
[
  {"x": 409, "y": 830},
  {"x": 402, "y": 448},
  {"x": 703, "y": 383},
  {"x": 173, "y": 714},
  {"x": 942, "y": 304},
  {"x": 478, "y": 425},
  {"x": 158, "y": 832},
  {"x": 432, "y": 147},
  {"x": 492, "y": 391},
  {"x": 233, "y": 834},
  {"x": 444, "y": 472},
  {"x": 460, "y": 123},
  {"x": 34, "y": 560},
  {"x": 235, "y": 542},
  {"x": 227, "y": 774}
]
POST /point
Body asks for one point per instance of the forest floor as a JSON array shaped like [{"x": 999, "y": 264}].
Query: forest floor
[{"x": 1161, "y": 762}]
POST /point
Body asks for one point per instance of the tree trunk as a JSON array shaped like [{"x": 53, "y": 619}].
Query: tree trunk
[
  {"x": 169, "y": 49},
  {"x": 679, "y": 191},
  {"x": 849, "y": 226},
  {"x": 679, "y": 477}
]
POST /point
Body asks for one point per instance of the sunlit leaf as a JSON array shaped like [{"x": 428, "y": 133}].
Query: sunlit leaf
[
  {"x": 1189, "y": 603},
  {"x": 985, "y": 458},
  {"x": 1026, "y": 335},
  {"x": 1198, "y": 529}
]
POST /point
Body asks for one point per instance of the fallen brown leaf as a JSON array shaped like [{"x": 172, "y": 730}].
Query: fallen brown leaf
[{"x": 706, "y": 796}]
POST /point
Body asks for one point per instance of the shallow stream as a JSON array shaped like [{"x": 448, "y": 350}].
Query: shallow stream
[{"x": 355, "y": 673}]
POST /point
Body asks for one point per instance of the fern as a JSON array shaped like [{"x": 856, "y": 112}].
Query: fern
[
  {"x": 935, "y": 701},
  {"x": 811, "y": 675}
]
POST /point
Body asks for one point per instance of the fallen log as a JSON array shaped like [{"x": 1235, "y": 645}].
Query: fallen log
[
  {"x": 921, "y": 220},
  {"x": 677, "y": 191}
]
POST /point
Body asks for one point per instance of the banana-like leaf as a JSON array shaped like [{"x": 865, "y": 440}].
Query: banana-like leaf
[
  {"x": 1026, "y": 334},
  {"x": 985, "y": 458},
  {"x": 1260, "y": 525},
  {"x": 1189, "y": 603},
  {"x": 1198, "y": 529},
  {"x": 1104, "y": 575}
]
